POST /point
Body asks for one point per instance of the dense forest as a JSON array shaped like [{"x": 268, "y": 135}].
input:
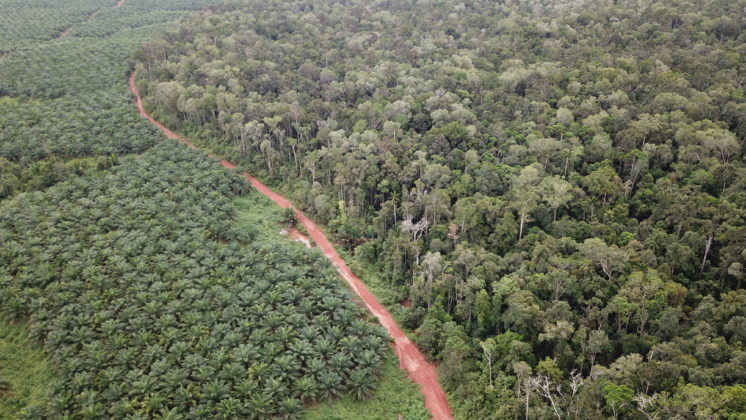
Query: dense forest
[{"x": 557, "y": 188}]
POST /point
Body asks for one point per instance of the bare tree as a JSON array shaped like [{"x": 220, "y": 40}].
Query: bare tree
[
  {"x": 645, "y": 403},
  {"x": 576, "y": 382},
  {"x": 553, "y": 392},
  {"x": 416, "y": 229},
  {"x": 545, "y": 387}
]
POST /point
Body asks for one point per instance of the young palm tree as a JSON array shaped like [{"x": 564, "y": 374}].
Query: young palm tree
[
  {"x": 286, "y": 368},
  {"x": 362, "y": 383},
  {"x": 260, "y": 405},
  {"x": 246, "y": 353},
  {"x": 246, "y": 387},
  {"x": 306, "y": 388},
  {"x": 215, "y": 390},
  {"x": 323, "y": 347},
  {"x": 301, "y": 349},
  {"x": 330, "y": 385},
  {"x": 154, "y": 317},
  {"x": 290, "y": 409},
  {"x": 229, "y": 408}
]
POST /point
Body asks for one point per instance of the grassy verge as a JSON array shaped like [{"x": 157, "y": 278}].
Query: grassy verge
[
  {"x": 256, "y": 212},
  {"x": 24, "y": 369}
]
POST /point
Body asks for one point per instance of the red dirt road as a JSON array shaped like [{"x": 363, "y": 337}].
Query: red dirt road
[{"x": 410, "y": 358}]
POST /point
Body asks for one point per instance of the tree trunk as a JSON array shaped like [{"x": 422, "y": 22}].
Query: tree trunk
[
  {"x": 489, "y": 364},
  {"x": 295, "y": 158},
  {"x": 520, "y": 233},
  {"x": 707, "y": 250},
  {"x": 567, "y": 162}
]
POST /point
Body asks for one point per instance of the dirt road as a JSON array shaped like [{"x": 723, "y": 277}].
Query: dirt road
[{"x": 410, "y": 358}]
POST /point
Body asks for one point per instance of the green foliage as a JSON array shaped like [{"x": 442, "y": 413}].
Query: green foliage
[
  {"x": 395, "y": 395},
  {"x": 288, "y": 217},
  {"x": 146, "y": 297},
  {"x": 617, "y": 397},
  {"x": 15, "y": 177},
  {"x": 64, "y": 96},
  {"x": 549, "y": 368},
  {"x": 736, "y": 399},
  {"x": 146, "y": 303}
]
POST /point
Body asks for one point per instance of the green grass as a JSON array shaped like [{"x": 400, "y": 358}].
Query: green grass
[
  {"x": 395, "y": 394},
  {"x": 24, "y": 365},
  {"x": 256, "y": 212}
]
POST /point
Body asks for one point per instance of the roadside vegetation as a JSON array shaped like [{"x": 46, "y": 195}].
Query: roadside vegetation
[{"x": 394, "y": 396}]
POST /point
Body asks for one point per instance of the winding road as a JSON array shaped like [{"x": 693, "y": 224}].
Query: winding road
[{"x": 410, "y": 358}]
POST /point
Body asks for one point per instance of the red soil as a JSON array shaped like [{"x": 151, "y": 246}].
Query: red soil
[
  {"x": 119, "y": 3},
  {"x": 295, "y": 235},
  {"x": 410, "y": 358}
]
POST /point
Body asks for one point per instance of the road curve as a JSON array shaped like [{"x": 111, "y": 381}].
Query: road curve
[{"x": 411, "y": 359}]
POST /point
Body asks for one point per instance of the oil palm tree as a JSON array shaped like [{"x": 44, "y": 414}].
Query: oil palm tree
[
  {"x": 290, "y": 409},
  {"x": 362, "y": 383}
]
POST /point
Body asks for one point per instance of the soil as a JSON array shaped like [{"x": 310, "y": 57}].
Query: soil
[
  {"x": 411, "y": 359},
  {"x": 119, "y": 3},
  {"x": 295, "y": 235},
  {"x": 65, "y": 32}
]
